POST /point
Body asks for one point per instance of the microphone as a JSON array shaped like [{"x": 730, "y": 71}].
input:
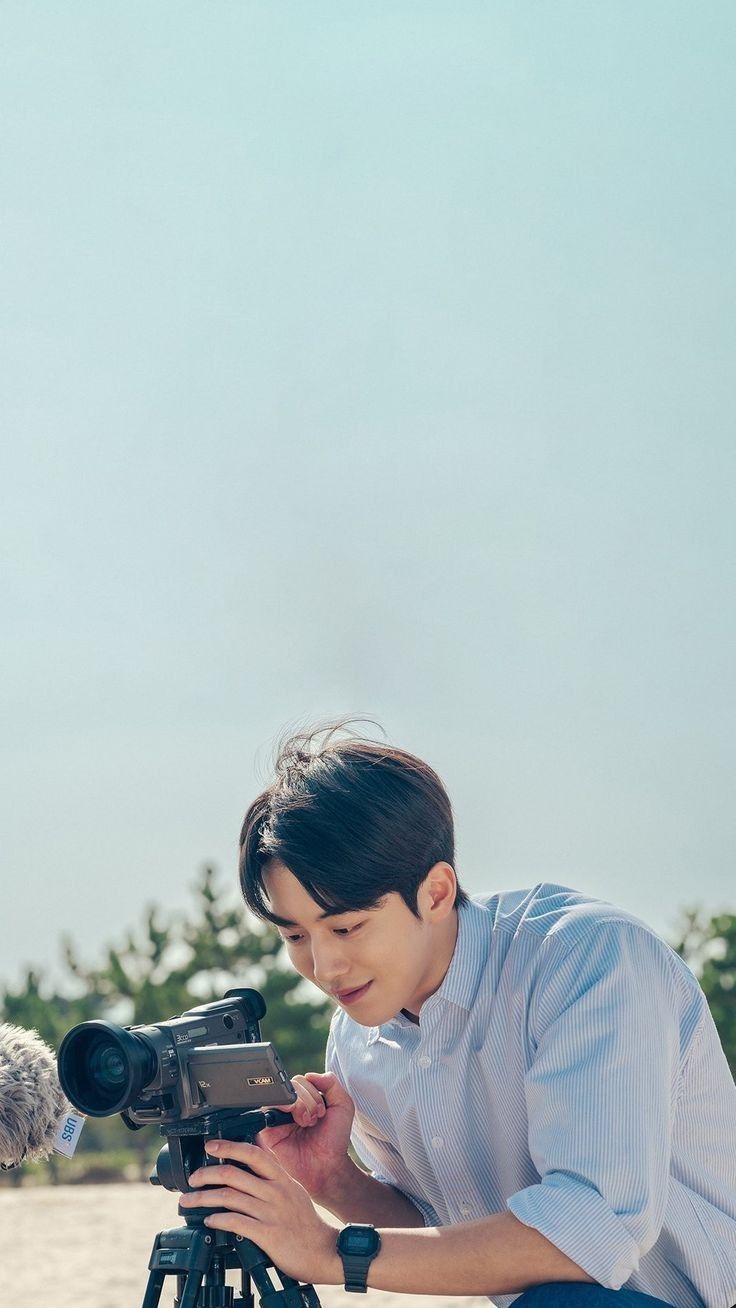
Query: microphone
[{"x": 34, "y": 1111}]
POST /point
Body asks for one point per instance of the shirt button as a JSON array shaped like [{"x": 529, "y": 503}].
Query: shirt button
[
  {"x": 437, "y": 1142},
  {"x": 465, "y": 1210},
  {"x": 424, "y": 1061}
]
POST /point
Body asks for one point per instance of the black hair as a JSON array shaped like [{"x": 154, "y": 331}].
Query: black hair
[{"x": 352, "y": 819}]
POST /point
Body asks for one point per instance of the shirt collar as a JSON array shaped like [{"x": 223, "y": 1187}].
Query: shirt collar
[
  {"x": 463, "y": 976},
  {"x": 469, "y": 959}
]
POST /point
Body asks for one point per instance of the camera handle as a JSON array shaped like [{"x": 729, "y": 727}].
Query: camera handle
[{"x": 194, "y": 1252}]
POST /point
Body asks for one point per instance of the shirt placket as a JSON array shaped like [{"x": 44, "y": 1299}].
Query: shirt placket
[{"x": 435, "y": 1097}]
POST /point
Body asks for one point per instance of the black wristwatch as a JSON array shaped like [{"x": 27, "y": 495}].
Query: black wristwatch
[{"x": 357, "y": 1246}]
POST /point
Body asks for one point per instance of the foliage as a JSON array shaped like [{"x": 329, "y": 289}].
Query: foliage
[
  {"x": 172, "y": 963},
  {"x": 708, "y": 946},
  {"x": 175, "y": 961}
]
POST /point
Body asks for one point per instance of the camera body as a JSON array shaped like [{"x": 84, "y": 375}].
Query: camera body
[{"x": 170, "y": 1073}]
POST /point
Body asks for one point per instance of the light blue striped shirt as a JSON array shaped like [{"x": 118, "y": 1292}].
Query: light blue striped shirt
[{"x": 568, "y": 1069}]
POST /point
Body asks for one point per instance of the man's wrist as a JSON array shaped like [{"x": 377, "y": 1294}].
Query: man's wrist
[
  {"x": 331, "y": 1272},
  {"x": 341, "y": 1186}
]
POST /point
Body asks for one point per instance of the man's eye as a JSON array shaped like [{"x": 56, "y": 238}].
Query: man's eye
[{"x": 296, "y": 937}]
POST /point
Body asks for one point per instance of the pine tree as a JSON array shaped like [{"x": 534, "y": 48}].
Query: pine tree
[{"x": 172, "y": 963}]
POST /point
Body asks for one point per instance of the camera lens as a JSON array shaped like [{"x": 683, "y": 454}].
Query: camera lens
[
  {"x": 103, "y": 1067},
  {"x": 107, "y": 1067}
]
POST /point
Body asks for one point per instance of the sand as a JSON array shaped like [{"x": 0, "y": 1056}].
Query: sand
[{"x": 88, "y": 1247}]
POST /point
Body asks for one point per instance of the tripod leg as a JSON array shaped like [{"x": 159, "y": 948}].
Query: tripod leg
[
  {"x": 192, "y": 1287},
  {"x": 310, "y": 1296},
  {"x": 153, "y": 1290},
  {"x": 246, "y": 1289},
  {"x": 254, "y": 1262}
]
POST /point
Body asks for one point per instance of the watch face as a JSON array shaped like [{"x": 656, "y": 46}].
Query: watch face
[{"x": 359, "y": 1240}]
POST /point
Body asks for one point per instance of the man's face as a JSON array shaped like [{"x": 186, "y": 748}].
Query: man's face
[{"x": 372, "y": 962}]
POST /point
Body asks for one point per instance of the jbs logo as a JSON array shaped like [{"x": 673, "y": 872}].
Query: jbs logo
[{"x": 260, "y": 1080}]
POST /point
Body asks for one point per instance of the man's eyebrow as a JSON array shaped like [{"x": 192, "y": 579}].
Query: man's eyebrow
[{"x": 329, "y": 912}]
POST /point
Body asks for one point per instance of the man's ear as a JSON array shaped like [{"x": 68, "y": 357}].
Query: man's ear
[{"x": 437, "y": 892}]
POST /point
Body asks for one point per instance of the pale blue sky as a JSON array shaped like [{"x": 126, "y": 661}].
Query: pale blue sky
[{"x": 369, "y": 357}]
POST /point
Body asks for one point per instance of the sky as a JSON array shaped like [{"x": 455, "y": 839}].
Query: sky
[{"x": 369, "y": 358}]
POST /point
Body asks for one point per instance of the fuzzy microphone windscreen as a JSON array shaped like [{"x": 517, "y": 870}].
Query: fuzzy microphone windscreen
[{"x": 32, "y": 1103}]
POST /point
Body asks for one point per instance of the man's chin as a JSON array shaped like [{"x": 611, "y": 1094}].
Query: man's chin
[{"x": 376, "y": 1017}]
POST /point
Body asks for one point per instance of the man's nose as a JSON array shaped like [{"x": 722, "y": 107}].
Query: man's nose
[{"x": 328, "y": 962}]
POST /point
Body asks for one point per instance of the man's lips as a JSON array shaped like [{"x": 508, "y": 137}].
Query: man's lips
[{"x": 349, "y": 996}]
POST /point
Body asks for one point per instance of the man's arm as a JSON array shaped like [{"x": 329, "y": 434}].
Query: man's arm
[
  {"x": 354, "y": 1196},
  {"x": 600, "y": 1096},
  {"x": 496, "y": 1255}
]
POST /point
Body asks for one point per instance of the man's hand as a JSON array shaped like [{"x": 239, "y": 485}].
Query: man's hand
[
  {"x": 268, "y": 1206},
  {"x": 313, "y": 1149}
]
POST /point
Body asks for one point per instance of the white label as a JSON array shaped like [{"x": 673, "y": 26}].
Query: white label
[{"x": 67, "y": 1136}]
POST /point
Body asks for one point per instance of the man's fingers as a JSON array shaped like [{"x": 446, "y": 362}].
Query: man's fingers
[
  {"x": 260, "y": 1161},
  {"x": 209, "y": 1181},
  {"x": 315, "y": 1093},
  {"x": 309, "y": 1105},
  {"x": 273, "y": 1135},
  {"x": 329, "y": 1089},
  {"x": 304, "y": 1085},
  {"x": 235, "y": 1201}
]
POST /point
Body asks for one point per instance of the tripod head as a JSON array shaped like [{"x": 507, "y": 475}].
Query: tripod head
[{"x": 184, "y": 1151}]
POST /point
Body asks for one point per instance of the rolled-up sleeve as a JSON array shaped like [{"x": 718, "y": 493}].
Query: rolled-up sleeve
[{"x": 600, "y": 1097}]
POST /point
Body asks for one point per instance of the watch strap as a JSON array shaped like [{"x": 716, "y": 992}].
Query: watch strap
[
  {"x": 355, "y": 1272},
  {"x": 355, "y": 1265}
]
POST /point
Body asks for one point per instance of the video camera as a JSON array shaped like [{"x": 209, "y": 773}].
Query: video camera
[
  {"x": 212, "y": 1057},
  {"x": 204, "y": 1074}
]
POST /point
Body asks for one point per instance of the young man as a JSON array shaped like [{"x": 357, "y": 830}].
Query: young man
[{"x": 533, "y": 1078}]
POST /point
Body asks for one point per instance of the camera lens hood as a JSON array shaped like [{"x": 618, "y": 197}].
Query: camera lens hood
[{"x": 104, "y": 1067}]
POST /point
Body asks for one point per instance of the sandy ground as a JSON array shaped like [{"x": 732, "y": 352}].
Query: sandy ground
[{"x": 88, "y": 1247}]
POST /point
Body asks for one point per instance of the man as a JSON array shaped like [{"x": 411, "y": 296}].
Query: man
[{"x": 533, "y": 1078}]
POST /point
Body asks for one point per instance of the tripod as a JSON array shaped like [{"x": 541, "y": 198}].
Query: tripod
[{"x": 195, "y": 1253}]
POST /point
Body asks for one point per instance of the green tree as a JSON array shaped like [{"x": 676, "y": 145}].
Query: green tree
[
  {"x": 171, "y": 963},
  {"x": 35, "y": 1007},
  {"x": 178, "y": 961},
  {"x": 708, "y": 945}
]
